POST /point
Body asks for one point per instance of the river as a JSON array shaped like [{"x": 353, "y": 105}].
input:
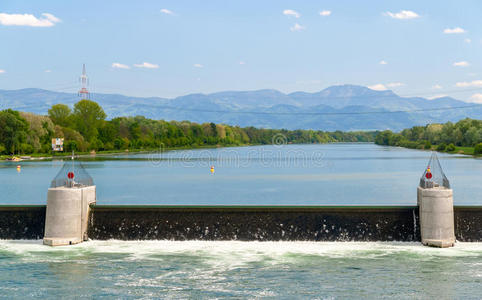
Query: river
[
  {"x": 326, "y": 174},
  {"x": 240, "y": 270},
  {"x": 332, "y": 174}
]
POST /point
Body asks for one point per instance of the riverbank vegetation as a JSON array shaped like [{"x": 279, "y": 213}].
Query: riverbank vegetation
[
  {"x": 463, "y": 137},
  {"x": 85, "y": 128}
]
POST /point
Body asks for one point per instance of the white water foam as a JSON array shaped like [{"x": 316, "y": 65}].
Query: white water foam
[
  {"x": 238, "y": 249},
  {"x": 217, "y": 269}
]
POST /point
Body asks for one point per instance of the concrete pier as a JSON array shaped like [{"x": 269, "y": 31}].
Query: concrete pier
[
  {"x": 436, "y": 206},
  {"x": 436, "y": 216},
  {"x": 67, "y": 214}
]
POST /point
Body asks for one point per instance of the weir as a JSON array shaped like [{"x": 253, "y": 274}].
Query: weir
[{"x": 274, "y": 223}]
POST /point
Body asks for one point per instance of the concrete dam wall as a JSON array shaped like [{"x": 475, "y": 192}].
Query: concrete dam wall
[
  {"x": 26, "y": 222},
  {"x": 275, "y": 223},
  {"x": 255, "y": 223}
]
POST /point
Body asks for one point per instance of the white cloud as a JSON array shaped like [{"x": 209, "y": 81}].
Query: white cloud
[
  {"x": 51, "y": 17},
  {"x": 468, "y": 41},
  {"x": 469, "y": 84},
  {"x": 476, "y": 98},
  {"x": 382, "y": 62},
  {"x": 120, "y": 66},
  {"x": 48, "y": 20},
  {"x": 166, "y": 11},
  {"x": 146, "y": 65},
  {"x": 297, "y": 27},
  {"x": 403, "y": 15},
  {"x": 292, "y": 13},
  {"x": 395, "y": 84},
  {"x": 325, "y": 13},
  {"x": 48, "y": 71},
  {"x": 436, "y": 96},
  {"x": 454, "y": 30},
  {"x": 242, "y": 63},
  {"x": 437, "y": 87},
  {"x": 461, "y": 64},
  {"x": 2, "y": 71},
  {"x": 377, "y": 87},
  {"x": 198, "y": 66},
  {"x": 383, "y": 87}
]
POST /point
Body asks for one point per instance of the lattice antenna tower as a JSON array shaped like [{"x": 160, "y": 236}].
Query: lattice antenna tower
[{"x": 83, "y": 92}]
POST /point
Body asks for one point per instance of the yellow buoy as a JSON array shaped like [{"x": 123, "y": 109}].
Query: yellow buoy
[
  {"x": 212, "y": 169},
  {"x": 19, "y": 168}
]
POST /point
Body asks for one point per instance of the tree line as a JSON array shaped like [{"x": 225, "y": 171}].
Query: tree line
[
  {"x": 441, "y": 137},
  {"x": 85, "y": 128}
]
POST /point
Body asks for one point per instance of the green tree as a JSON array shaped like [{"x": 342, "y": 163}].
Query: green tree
[
  {"x": 441, "y": 147},
  {"x": 478, "y": 149},
  {"x": 88, "y": 116},
  {"x": 13, "y": 130},
  {"x": 75, "y": 137},
  {"x": 71, "y": 146},
  {"x": 40, "y": 133},
  {"x": 108, "y": 132},
  {"x": 135, "y": 131},
  {"x": 464, "y": 133},
  {"x": 60, "y": 114},
  {"x": 450, "y": 148}
]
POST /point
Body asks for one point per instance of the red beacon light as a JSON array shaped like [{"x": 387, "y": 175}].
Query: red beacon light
[{"x": 428, "y": 174}]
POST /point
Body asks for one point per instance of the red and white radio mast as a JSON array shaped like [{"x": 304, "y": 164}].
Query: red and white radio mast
[{"x": 83, "y": 92}]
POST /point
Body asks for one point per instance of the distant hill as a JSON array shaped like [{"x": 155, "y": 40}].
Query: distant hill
[{"x": 330, "y": 109}]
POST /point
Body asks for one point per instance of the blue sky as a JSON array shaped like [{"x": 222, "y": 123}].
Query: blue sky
[{"x": 172, "y": 48}]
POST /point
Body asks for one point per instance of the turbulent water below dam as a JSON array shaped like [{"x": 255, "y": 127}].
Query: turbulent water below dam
[{"x": 247, "y": 270}]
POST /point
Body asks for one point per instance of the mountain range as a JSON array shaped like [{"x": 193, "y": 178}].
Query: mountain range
[{"x": 343, "y": 107}]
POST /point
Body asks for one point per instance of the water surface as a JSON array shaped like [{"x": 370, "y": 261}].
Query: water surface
[
  {"x": 243, "y": 270},
  {"x": 327, "y": 174},
  {"x": 267, "y": 175}
]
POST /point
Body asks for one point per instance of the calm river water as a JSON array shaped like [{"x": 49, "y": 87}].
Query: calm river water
[{"x": 328, "y": 174}]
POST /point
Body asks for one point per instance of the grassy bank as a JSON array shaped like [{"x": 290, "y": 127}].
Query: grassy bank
[{"x": 458, "y": 150}]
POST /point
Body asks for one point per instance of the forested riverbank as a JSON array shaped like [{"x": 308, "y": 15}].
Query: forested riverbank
[
  {"x": 85, "y": 128},
  {"x": 463, "y": 137}
]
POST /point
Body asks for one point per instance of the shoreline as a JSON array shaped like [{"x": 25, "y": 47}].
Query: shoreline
[
  {"x": 468, "y": 151},
  {"x": 64, "y": 155},
  {"x": 43, "y": 156}
]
